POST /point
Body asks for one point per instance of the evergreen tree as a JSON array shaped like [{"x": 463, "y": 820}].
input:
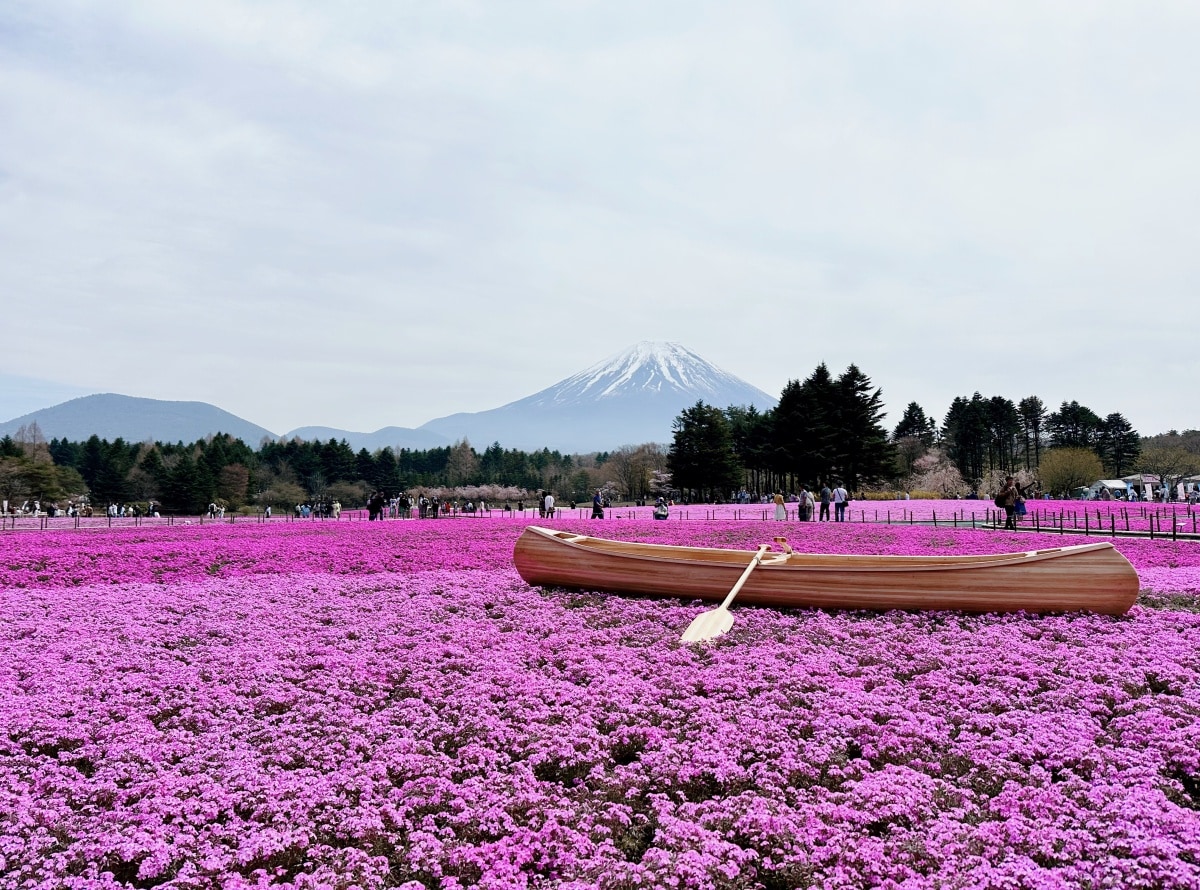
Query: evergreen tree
[
  {"x": 702, "y": 461},
  {"x": 364, "y": 467},
  {"x": 1004, "y": 428},
  {"x": 821, "y": 402},
  {"x": 1033, "y": 420},
  {"x": 184, "y": 491},
  {"x": 966, "y": 434},
  {"x": 492, "y": 464},
  {"x": 106, "y": 468},
  {"x": 304, "y": 458},
  {"x": 787, "y": 454},
  {"x": 91, "y": 463},
  {"x": 751, "y": 432},
  {"x": 338, "y": 462},
  {"x": 912, "y": 438},
  {"x": 211, "y": 457},
  {"x": 1073, "y": 426},
  {"x": 802, "y": 433},
  {"x": 916, "y": 425},
  {"x": 1118, "y": 445},
  {"x": 387, "y": 471},
  {"x": 66, "y": 454},
  {"x": 864, "y": 454}
]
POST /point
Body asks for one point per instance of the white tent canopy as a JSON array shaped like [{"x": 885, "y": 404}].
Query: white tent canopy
[{"x": 1114, "y": 488}]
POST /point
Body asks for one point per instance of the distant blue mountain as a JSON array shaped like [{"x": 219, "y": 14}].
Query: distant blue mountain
[{"x": 112, "y": 416}]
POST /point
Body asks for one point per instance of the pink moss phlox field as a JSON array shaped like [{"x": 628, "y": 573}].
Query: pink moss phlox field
[{"x": 389, "y": 705}]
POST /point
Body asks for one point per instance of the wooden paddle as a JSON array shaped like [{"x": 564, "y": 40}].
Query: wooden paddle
[{"x": 714, "y": 622}]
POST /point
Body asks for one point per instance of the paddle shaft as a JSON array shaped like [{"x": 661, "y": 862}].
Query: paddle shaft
[{"x": 746, "y": 574}]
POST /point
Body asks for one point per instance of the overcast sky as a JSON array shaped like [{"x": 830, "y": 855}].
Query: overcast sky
[{"x": 368, "y": 214}]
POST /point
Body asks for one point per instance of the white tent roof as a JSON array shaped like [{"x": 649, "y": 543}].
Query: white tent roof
[{"x": 1109, "y": 483}]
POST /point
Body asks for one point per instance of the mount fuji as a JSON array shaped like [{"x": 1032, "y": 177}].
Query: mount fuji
[{"x": 627, "y": 399}]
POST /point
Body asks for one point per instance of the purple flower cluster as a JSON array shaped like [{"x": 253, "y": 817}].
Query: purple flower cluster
[{"x": 388, "y": 705}]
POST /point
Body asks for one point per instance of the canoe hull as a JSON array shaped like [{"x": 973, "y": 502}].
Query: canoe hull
[{"x": 1090, "y": 577}]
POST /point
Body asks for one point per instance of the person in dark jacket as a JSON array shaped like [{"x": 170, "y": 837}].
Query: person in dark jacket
[{"x": 1007, "y": 498}]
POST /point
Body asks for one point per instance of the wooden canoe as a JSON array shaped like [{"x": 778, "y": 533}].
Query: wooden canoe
[{"x": 1087, "y": 577}]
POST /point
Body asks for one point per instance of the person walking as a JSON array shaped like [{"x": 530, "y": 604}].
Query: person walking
[
  {"x": 549, "y": 504},
  {"x": 780, "y": 508},
  {"x": 826, "y": 497},
  {"x": 598, "y": 505}
]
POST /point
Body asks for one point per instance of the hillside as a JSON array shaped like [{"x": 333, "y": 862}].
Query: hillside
[{"x": 111, "y": 416}]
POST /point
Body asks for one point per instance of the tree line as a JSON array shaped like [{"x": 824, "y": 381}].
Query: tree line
[
  {"x": 829, "y": 429},
  {"x": 185, "y": 478},
  {"x": 824, "y": 429}
]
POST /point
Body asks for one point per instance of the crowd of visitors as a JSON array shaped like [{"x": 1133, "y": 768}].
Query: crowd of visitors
[
  {"x": 808, "y": 502},
  {"x": 75, "y": 507}
]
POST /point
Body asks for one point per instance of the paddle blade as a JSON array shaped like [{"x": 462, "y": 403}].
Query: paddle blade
[{"x": 708, "y": 626}]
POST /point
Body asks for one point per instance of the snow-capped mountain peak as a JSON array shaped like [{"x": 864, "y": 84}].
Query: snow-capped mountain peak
[
  {"x": 629, "y": 398},
  {"x": 647, "y": 367}
]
